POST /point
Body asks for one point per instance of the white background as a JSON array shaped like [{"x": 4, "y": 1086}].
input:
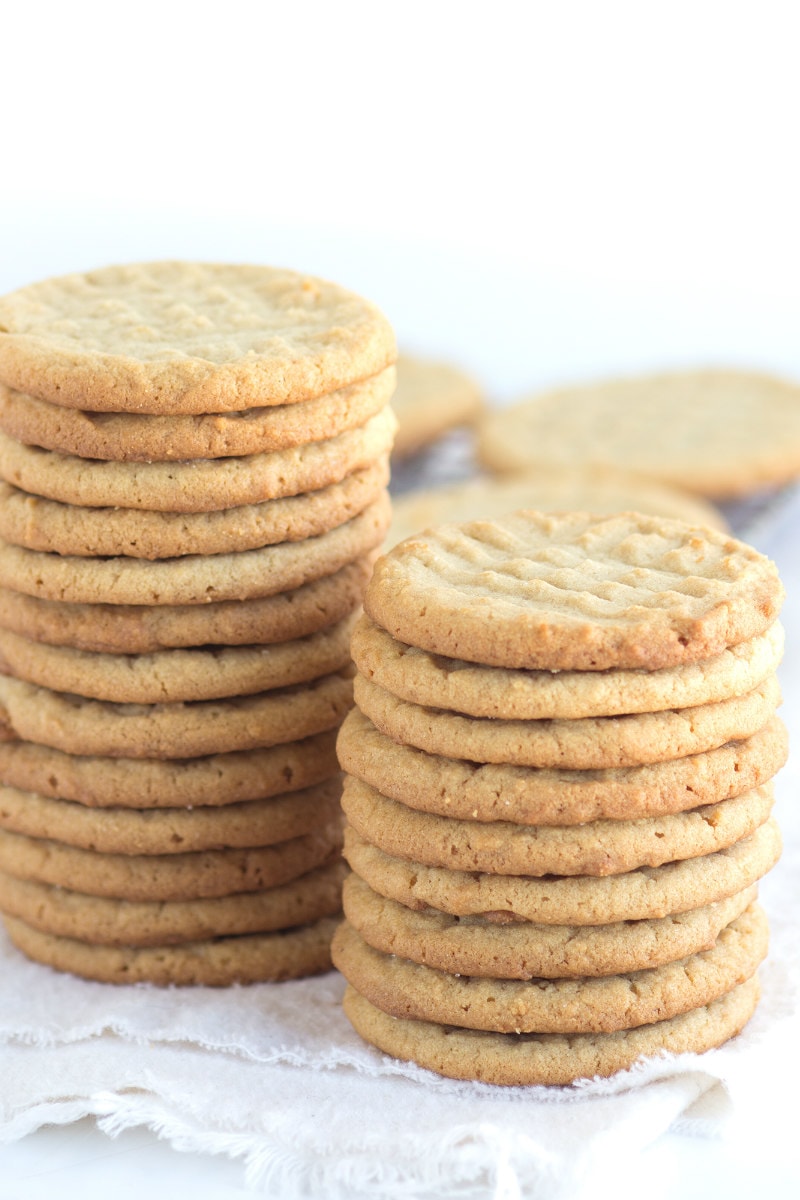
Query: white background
[
  {"x": 543, "y": 192},
  {"x": 547, "y": 191}
]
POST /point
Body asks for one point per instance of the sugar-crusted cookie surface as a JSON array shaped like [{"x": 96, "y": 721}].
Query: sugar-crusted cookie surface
[
  {"x": 571, "y": 591},
  {"x": 179, "y": 337},
  {"x": 719, "y": 433}
]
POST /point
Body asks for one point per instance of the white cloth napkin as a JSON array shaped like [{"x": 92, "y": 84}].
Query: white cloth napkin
[{"x": 274, "y": 1075}]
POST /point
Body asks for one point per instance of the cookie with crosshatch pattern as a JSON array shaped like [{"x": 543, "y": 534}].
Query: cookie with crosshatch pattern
[
  {"x": 193, "y": 338},
  {"x": 571, "y": 591}
]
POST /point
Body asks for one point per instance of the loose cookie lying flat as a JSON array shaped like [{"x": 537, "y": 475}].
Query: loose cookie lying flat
[
  {"x": 525, "y": 1059},
  {"x": 574, "y": 592},
  {"x": 719, "y": 433},
  {"x": 431, "y": 397},
  {"x": 547, "y": 489},
  {"x": 473, "y": 791}
]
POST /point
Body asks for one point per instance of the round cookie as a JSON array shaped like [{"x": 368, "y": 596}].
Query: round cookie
[
  {"x": 431, "y": 397},
  {"x": 53, "y": 527},
  {"x": 146, "y": 628},
  {"x": 579, "y": 900},
  {"x": 99, "y": 921},
  {"x": 219, "y": 962},
  {"x": 430, "y": 679},
  {"x": 571, "y": 591},
  {"x": 475, "y": 791},
  {"x": 171, "y": 830},
  {"x": 152, "y": 783},
  {"x": 527, "y": 950},
  {"x": 198, "y": 485},
  {"x": 180, "y": 337},
  {"x": 407, "y": 990},
  {"x": 549, "y": 489},
  {"x": 719, "y": 433},
  {"x": 599, "y": 848},
  {"x": 525, "y": 1059},
  {"x": 98, "y": 727},
  {"x": 201, "y": 874},
  {"x": 193, "y": 579},
  {"x": 170, "y": 676},
  {"x": 586, "y": 743},
  {"x": 135, "y": 437}
]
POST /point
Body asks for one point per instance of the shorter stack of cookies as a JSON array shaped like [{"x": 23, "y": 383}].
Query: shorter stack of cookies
[
  {"x": 194, "y": 461},
  {"x": 558, "y": 794}
]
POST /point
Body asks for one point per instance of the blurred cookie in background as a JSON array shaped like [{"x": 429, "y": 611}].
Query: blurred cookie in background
[
  {"x": 719, "y": 433},
  {"x": 432, "y": 397},
  {"x": 548, "y": 489}
]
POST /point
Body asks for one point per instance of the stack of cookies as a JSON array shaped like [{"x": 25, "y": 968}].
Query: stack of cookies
[
  {"x": 194, "y": 461},
  {"x": 558, "y": 794}
]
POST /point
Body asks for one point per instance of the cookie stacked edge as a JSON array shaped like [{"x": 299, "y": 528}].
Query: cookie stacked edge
[
  {"x": 558, "y": 794},
  {"x": 194, "y": 462}
]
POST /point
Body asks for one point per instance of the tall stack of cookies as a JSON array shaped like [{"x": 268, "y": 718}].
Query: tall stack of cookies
[
  {"x": 558, "y": 794},
  {"x": 194, "y": 461}
]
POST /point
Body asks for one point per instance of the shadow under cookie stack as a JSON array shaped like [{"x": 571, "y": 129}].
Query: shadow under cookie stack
[
  {"x": 195, "y": 460},
  {"x": 558, "y": 795}
]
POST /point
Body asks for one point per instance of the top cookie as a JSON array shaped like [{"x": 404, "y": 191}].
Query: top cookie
[
  {"x": 718, "y": 433},
  {"x": 179, "y": 337},
  {"x": 572, "y": 591}
]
